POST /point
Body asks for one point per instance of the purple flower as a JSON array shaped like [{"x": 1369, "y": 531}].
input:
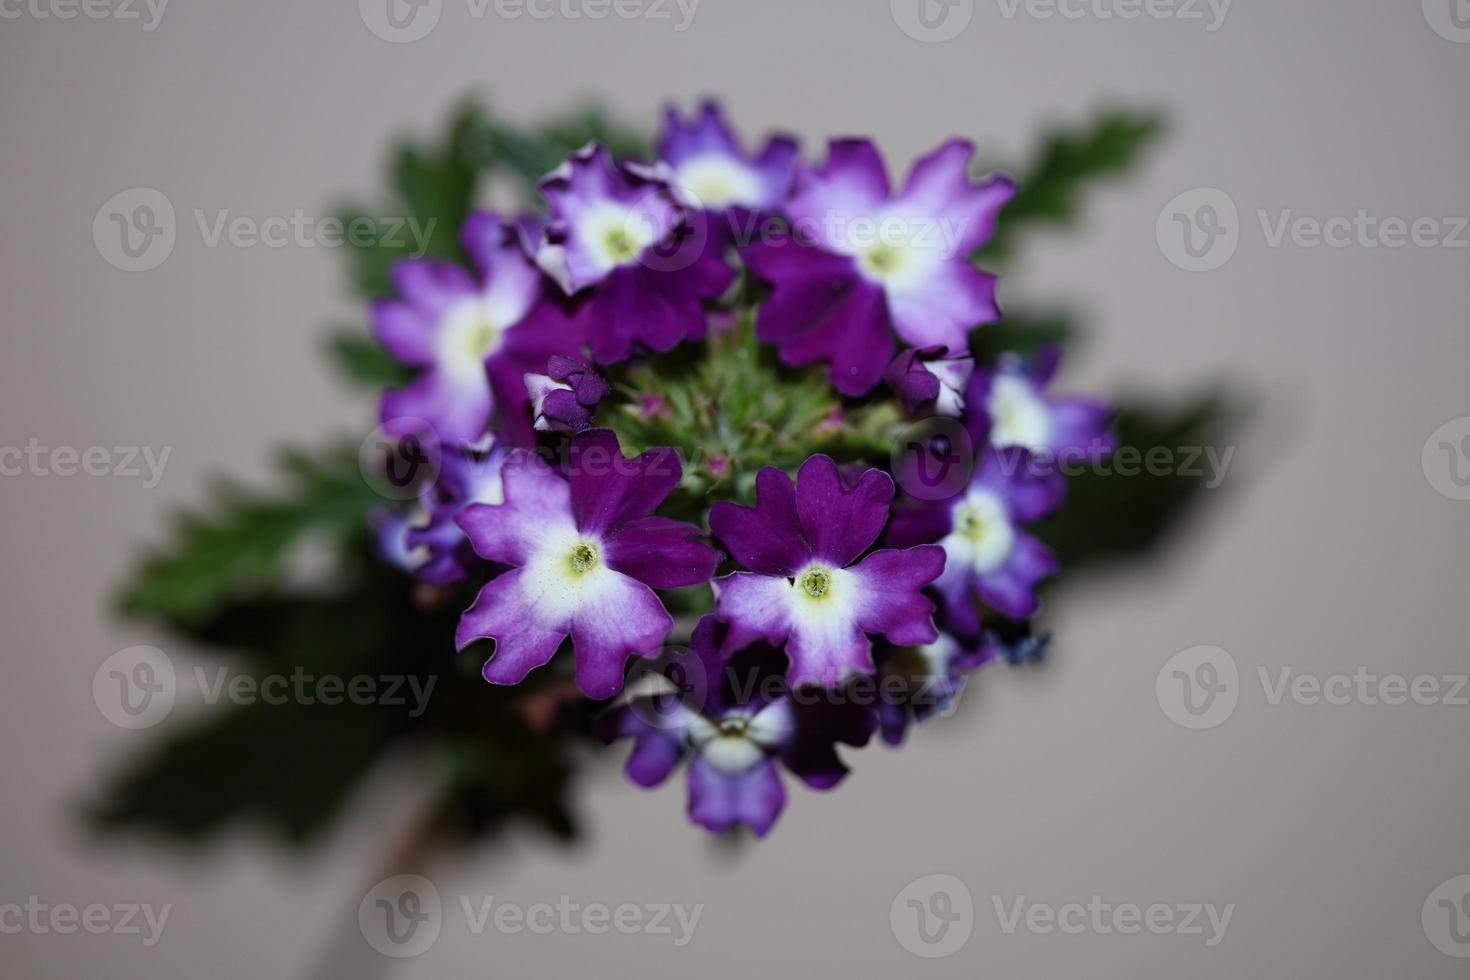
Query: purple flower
[
  {"x": 931, "y": 676},
  {"x": 799, "y": 543},
  {"x": 927, "y": 379},
  {"x": 474, "y": 334},
  {"x": 563, "y": 399},
  {"x": 622, "y": 232},
  {"x": 584, "y": 557},
  {"x": 709, "y": 170},
  {"x": 1008, "y": 406},
  {"x": 989, "y": 555},
  {"x": 867, "y": 264},
  {"x": 465, "y": 478},
  {"x": 736, "y": 731}
]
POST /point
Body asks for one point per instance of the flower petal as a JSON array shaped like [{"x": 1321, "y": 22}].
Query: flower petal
[
  {"x": 718, "y": 800},
  {"x": 620, "y": 619},
  {"x": 660, "y": 553},
  {"x": 609, "y": 490},
  {"x": 1011, "y": 589},
  {"x": 891, "y": 603},
  {"x": 537, "y": 501},
  {"x": 841, "y": 524},
  {"x": 502, "y": 612},
  {"x": 767, "y": 538}
]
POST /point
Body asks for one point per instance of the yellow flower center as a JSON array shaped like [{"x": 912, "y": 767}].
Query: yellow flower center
[
  {"x": 882, "y": 260},
  {"x": 620, "y": 246},
  {"x": 816, "y": 582},
  {"x": 584, "y": 557}
]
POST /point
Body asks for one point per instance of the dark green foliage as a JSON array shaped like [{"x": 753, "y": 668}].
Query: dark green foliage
[
  {"x": 240, "y": 548},
  {"x": 1050, "y": 188}
]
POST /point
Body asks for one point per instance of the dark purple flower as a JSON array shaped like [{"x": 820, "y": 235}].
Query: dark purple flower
[
  {"x": 928, "y": 380},
  {"x": 1008, "y": 406},
  {"x": 866, "y": 264},
  {"x": 930, "y": 677},
  {"x": 708, "y": 169},
  {"x": 465, "y": 477},
  {"x": 474, "y": 334},
  {"x": 989, "y": 555},
  {"x": 564, "y": 398},
  {"x": 737, "y": 728},
  {"x": 585, "y": 556},
  {"x": 621, "y": 231},
  {"x": 798, "y": 543}
]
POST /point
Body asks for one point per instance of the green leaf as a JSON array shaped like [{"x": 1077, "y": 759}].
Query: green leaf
[
  {"x": 1125, "y": 508},
  {"x": 434, "y": 190},
  {"x": 530, "y": 154},
  {"x": 362, "y": 360},
  {"x": 1022, "y": 333},
  {"x": 1049, "y": 189},
  {"x": 242, "y": 545},
  {"x": 292, "y": 763}
]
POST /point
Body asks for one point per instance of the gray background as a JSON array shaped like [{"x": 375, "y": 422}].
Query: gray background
[{"x": 1327, "y": 549}]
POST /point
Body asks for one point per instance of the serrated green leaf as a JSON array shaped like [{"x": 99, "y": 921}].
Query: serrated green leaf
[
  {"x": 363, "y": 361},
  {"x": 241, "y": 546},
  {"x": 1050, "y": 188}
]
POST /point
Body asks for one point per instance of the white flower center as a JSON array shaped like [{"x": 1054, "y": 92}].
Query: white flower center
[
  {"x": 734, "y": 743},
  {"x": 1019, "y": 416},
  {"x": 566, "y": 573},
  {"x": 716, "y": 181},
  {"x": 615, "y": 235},
  {"x": 468, "y": 337},
  {"x": 983, "y": 537}
]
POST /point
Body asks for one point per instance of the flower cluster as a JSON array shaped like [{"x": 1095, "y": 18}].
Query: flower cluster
[{"x": 663, "y": 412}]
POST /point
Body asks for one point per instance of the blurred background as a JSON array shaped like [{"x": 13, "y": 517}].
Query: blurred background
[{"x": 1332, "y": 546}]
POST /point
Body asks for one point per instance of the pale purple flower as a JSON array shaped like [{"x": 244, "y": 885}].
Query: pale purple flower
[
  {"x": 806, "y": 586},
  {"x": 1009, "y": 406},
  {"x": 585, "y": 555},
  {"x": 619, "y": 233},
  {"x": 990, "y": 557},
  {"x": 708, "y": 169},
  {"x": 866, "y": 264},
  {"x": 473, "y": 334},
  {"x": 737, "y": 730}
]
